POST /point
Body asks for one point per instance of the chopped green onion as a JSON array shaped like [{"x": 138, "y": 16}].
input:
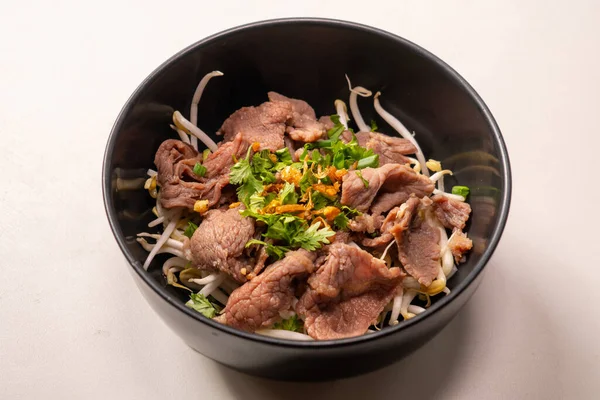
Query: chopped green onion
[
  {"x": 199, "y": 169},
  {"x": 461, "y": 191},
  {"x": 205, "y": 154},
  {"x": 371, "y": 161}
]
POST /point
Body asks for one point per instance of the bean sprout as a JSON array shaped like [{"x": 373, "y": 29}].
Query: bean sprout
[
  {"x": 401, "y": 129},
  {"x": 415, "y": 309},
  {"x": 396, "y": 305},
  {"x": 163, "y": 238},
  {"x": 342, "y": 112},
  {"x": 176, "y": 244},
  {"x": 196, "y": 100},
  {"x": 354, "y": 93},
  {"x": 205, "y": 281},
  {"x": 449, "y": 195},
  {"x": 212, "y": 286},
  {"x": 164, "y": 249},
  {"x": 439, "y": 175},
  {"x": 184, "y": 137},
  {"x": 173, "y": 262},
  {"x": 156, "y": 222},
  {"x": 283, "y": 334},
  {"x": 187, "y": 126}
]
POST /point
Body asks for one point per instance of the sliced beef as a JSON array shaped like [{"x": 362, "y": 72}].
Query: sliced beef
[
  {"x": 347, "y": 293},
  {"x": 220, "y": 162},
  {"x": 366, "y": 223},
  {"x": 418, "y": 245},
  {"x": 327, "y": 122},
  {"x": 451, "y": 213},
  {"x": 398, "y": 218},
  {"x": 219, "y": 242},
  {"x": 401, "y": 182},
  {"x": 257, "y": 303},
  {"x": 179, "y": 186},
  {"x": 391, "y": 150},
  {"x": 459, "y": 245},
  {"x": 264, "y": 124},
  {"x": 389, "y": 186},
  {"x": 298, "y": 106},
  {"x": 303, "y": 125}
]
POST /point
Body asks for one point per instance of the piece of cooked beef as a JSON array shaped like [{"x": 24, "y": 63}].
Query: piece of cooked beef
[
  {"x": 398, "y": 216},
  {"x": 303, "y": 125},
  {"x": 366, "y": 223},
  {"x": 398, "y": 186},
  {"x": 451, "y": 213},
  {"x": 179, "y": 186},
  {"x": 220, "y": 162},
  {"x": 219, "y": 242},
  {"x": 264, "y": 124},
  {"x": 257, "y": 303},
  {"x": 388, "y": 186},
  {"x": 327, "y": 122},
  {"x": 459, "y": 244},
  {"x": 391, "y": 150},
  {"x": 347, "y": 293},
  {"x": 418, "y": 245}
]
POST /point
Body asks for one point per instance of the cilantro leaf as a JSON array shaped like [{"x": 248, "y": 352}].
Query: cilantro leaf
[
  {"x": 190, "y": 229},
  {"x": 262, "y": 165},
  {"x": 307, "y": 180},
  {"x": 241, "y": 174},
  {"x": 288, "y": 195},
  {"x": 342, "y": 219},
  {"x": 201, "y": 304},
  {"x": 199, "y": 169},
  {"x": 374, "y": 126},
  {"x": 284, "y": 158},
  {"x": 291, "y": 324},
  {"x": 278, "y": 252},
  {"x": 256, "y": 202},
  {"x": 312, "y": 238}
]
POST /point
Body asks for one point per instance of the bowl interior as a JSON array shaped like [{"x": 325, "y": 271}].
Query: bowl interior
[{"x": 308, "y": 59}]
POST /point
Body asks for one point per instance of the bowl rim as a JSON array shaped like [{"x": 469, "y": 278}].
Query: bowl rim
[{"x": 504, "y": 205}]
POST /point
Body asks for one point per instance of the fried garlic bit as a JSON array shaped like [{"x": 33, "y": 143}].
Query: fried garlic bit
[
  {"x": 201, "y": 206},
  {"x": 291, "y": 175}
]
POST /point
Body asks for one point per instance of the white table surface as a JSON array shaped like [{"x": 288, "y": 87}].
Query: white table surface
[{"x": 72, "y": 323}]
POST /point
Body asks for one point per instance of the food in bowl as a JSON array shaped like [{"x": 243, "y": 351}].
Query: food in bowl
[{"x": 298, "y": 227}]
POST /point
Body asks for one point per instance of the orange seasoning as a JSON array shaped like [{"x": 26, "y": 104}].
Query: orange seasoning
[
  {"x": 290, "y": 208},
  {"x": 329, "y": 212},
  {"x": 328, "y": 190}
]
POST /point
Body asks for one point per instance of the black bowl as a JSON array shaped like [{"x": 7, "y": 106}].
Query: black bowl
[{"x": 307, "y": 59}]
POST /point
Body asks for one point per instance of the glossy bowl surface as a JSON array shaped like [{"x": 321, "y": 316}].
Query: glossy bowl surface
[{"x": 307, "y": 59}]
